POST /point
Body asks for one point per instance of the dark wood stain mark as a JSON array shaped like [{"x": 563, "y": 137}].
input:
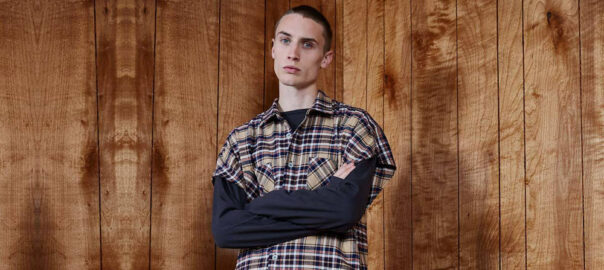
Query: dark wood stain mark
[
  {"x": 391, "y": 92},
  {"x": 160, "y": 180},
  {"x": 555, "y": 24},
  {"x": 90, "y": 168}
]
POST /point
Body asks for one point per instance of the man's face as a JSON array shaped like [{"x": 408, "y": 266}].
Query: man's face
[{"x": 299, "y": 44}]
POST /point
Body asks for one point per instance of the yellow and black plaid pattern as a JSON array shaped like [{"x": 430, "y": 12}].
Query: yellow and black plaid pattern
[{"x": 264, "y": 154}]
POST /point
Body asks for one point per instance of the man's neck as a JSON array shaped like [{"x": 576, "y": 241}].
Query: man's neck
[{"x": 291, "y": 98}]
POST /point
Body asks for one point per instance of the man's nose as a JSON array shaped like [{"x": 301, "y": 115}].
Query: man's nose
[{"x": 292, "y": 53}]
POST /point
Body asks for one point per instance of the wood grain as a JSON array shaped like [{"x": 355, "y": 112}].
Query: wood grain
[
  {"x": 478, "y": 134},
  {"x": 494, "y": 111},
  {"x": 49, "y": 189},
  {"x": 125, "y": 33},
  {"x": 434, "y": 135},
  {"x": 511, "y": 135},
  {"x": 592, "y": 89},
  {"x": 339, "y": 45},
  {"x": 184, "y": 129},
  {"x": 375, "y": 107},
  {"x": 241, "y": 81},
  {"x": 553, "y": 135},
  {"x": 398, "y": 233},
  {"x": 354, "y": 49}
]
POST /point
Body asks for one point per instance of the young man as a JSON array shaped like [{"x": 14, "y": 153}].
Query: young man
[{"x": 291, "y": 185}]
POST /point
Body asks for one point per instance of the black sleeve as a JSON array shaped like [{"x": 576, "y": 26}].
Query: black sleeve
[
  {"x": 234, "y": 227},
  {"x": 334, "y": 207}
]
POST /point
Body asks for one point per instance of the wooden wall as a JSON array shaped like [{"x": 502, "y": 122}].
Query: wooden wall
[{"x": 112, "y": 114}]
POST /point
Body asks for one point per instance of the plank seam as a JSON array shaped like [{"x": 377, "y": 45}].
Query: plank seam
[
  {"x": 383, "y": 120},
  {"x": 524, "y": 140},
  {"x": 411, "y": 121},
  {"x": 98, "y": 147},
  {"x": 581, "y": 123},
  {"x": 457, "y": 133},
  {"x": 217, "y": 105},
  {"x": 498, "y": 128},
  {"x": 152, "y": 128}
]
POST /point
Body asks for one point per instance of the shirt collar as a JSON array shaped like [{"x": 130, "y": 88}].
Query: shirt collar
[{"x": 323, "y": 103}]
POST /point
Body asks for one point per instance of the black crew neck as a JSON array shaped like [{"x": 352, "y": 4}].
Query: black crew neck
[{"x": 296, "y": 111}]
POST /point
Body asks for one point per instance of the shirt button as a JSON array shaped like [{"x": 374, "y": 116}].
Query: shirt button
[
  {"x": 288, "y": 135},
  {"x": 274, "y": 257},
  {"x": 290, "y": 164}
]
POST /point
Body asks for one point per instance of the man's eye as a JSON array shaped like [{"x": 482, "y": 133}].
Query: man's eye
[
  {"x": 309, "y": 44},
  {"x": 284, "y": 40}
]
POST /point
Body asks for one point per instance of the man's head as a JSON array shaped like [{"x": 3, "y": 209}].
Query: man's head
[
  {"x": 302, "y": 41},
  {"x": 313, "y": 14}
]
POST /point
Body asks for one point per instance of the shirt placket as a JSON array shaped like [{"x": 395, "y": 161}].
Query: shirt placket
[{"x": 291, "y": 135}]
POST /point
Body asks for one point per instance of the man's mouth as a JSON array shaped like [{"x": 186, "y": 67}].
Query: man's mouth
[{"x": 291, "y": 69}]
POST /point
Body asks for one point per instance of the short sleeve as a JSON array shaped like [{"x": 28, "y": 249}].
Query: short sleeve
[
  {"x": 367, "y": 140},
  {"x": 228, "y": 166}
]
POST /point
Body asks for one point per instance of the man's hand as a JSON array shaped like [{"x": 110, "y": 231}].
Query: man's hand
[{"x": 344, "y": 170}]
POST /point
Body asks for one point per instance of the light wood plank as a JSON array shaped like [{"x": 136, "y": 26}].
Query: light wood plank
[
  {"x": 398, "y": 234},
  {"x": 184, "y": 128},
  {"x": 339, "y": 45},
  {"x": 354, "y": 46},
  {"x": 592, "y": 89},
  {"x": 375, "y": 107},
  {"x": 125, "y": 34},
  {"x": 511, "y": 135},
  {"x": 478, "y": 134},
  {"x": 49, "y": 189},
  {"x": 553, "y": 135},
  {"x": 434, "y": 135}
]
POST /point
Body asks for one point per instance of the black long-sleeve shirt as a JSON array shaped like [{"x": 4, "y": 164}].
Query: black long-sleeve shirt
[{"x": 282, "y": 215}]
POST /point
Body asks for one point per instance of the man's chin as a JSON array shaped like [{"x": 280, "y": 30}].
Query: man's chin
[{"x": 289, "y": 82}]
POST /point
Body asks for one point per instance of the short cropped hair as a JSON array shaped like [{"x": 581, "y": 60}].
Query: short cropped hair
[{"x": 315, "y": 15}]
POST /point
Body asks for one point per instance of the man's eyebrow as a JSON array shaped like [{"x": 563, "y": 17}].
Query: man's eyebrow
[{"x": 303, "y": 38}]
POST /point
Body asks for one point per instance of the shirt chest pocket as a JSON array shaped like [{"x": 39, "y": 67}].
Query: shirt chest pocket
[
  {"x": 266, "y": 177},
  {"x": 319, "y": 171}
]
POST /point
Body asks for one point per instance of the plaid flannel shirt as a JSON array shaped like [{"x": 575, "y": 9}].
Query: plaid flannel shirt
[{"x": 264, "y": 155}]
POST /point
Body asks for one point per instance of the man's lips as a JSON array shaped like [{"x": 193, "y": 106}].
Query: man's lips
[{"x": 291, "y": 69}]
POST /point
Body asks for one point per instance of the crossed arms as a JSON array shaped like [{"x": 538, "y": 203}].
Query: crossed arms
[{"x": 282, "y": 215}]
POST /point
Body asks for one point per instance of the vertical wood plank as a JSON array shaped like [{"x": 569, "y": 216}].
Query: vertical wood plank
[
  {"x": 339, "y": 45},
  {"x": 49, "y": 208},
  {"x": 511, "y": 135},
  {"x": 478, "y": 134},
  {"x": 184, "y": 128},
  {"x": 20, "y": 216},
  {"x": 592, "y": 89},
  {"x": 326, "y": 79},
  {"x": 375, "y": 107},
  {"x": 434, "y": 135},
  {"x": 242, "y": 31},
  {"x": 125, "y": 32},
  {"x": 354, "y": 91},
  {"x": 274, "y": 10},
  {"x": 398, "y": 234},
  {"x": 553, "y": 138}
]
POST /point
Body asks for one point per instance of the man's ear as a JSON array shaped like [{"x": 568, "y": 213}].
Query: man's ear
[
  {"x": 327, "y": 58},
  {"x": 273, "y": 48}
]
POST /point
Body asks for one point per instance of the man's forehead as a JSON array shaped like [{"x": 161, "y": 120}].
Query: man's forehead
[{"x": 299, "y": 27}]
